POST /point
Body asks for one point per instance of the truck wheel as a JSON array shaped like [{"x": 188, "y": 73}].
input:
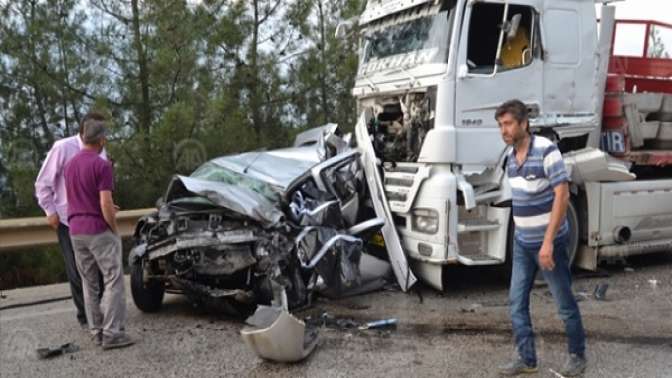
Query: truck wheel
[
  {"x": 573, "y": 220},
  {"x": 148, "y": 297}
]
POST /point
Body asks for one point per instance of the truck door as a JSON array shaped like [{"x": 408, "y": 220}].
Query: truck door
[
  {"x": 569, "y": 44},
  {"x": 484, "y": 82}
]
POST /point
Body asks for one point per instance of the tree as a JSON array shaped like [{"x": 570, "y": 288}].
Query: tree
[
  {"x": 44, "y": 81},
  {"x": 658, "y": 48},
  {"x": 323, "y": 74}
]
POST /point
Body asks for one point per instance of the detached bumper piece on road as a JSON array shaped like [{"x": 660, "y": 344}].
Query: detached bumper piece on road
[{"x": 278, "y": 336}]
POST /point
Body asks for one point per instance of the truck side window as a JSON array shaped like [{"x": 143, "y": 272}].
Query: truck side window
[{"x": 518, "y": 48}]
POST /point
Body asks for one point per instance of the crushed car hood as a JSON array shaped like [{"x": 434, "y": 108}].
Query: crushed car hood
[
  {"x": 235, "y": 198},
  {"x": 278, "y": 167}
]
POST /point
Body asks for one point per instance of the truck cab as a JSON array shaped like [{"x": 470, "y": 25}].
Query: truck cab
[{"x": 431, "y": 74}]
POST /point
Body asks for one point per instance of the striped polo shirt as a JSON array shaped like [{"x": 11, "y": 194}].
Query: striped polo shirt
[{"x": 532, "y": 185}]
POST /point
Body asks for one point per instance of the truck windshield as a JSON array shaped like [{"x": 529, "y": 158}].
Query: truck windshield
[{"x": 406, "y": 41}]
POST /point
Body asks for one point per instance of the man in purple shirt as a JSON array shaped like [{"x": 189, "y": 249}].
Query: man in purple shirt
[
  {"x": 51, "y": 196},
  {"x": 93, "y": 230}
]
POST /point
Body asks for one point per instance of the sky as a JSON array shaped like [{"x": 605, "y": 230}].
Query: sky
[{"x": 659, "y": 10}]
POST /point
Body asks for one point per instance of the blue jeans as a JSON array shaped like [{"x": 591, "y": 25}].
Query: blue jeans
[{"x": 525, "y": 266}]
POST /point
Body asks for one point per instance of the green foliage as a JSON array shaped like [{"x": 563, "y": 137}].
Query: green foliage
[
  {"x": 658, "y": 47},
  {"x": 181, "y": 81},
  {"x": 31, "y": 267}
]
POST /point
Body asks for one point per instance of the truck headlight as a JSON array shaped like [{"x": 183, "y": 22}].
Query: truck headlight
[{"x": 425, "y": 221}]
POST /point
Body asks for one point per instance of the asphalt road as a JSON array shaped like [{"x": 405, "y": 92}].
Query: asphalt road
[{"x": 463, "y": 332}]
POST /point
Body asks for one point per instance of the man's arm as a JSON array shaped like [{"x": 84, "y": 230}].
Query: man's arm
[
  {"x": 45, "y": 184},
  {"x": 555, "y": 170},
  {"x": 560, "y": 204},
  {"x": 109, "y": 210},
  {"x": 558, "y": 212}
]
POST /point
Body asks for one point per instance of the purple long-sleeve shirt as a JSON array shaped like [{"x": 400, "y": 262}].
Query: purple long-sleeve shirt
[{"x": 50, "y": 183}]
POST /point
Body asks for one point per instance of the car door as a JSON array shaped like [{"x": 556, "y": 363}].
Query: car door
[{"x": 400, "y": 266}]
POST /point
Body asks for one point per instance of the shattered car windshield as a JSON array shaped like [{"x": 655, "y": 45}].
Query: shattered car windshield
[
  {"x": 213, "y": 172},
  {"x": 407, "y": 41}
]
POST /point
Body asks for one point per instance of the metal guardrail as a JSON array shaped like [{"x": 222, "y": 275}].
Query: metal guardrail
[{"x": 19, "y": 233}]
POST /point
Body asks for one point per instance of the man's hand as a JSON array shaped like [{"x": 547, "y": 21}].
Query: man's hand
[
  {"x": 546, "y": 256},
  {"x": 109, "y": 210},
  {"x": 53, "y": 221}
]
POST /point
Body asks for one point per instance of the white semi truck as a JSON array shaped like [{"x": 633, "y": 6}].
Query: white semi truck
[{"x": 431, "y": 74}]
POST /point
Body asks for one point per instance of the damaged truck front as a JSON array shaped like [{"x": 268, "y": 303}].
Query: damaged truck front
[
  {"x": 431, "y": 74},
  {"x": 257, "y": 228}
]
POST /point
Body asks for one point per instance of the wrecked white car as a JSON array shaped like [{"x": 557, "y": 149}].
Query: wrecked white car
[{"x": 258, "y": 228}]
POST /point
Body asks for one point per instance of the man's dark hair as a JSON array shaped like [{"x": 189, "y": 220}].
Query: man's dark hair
[
  {"x": 92, "y": 116},
  {"x": 516, "y": 108}
]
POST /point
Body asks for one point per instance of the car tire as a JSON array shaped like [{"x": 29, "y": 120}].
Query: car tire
[{"x": 148, "y": 297}]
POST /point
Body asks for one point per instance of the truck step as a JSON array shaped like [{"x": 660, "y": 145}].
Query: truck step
[
  {"x": 476, "y": 224},
  {"x": 478, "y": 259}
]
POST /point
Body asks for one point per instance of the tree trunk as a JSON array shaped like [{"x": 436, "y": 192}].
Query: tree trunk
[
  {"x": 326, "y": 113},
  {"x": 253, "y": 75},
  {"x": 144, "y": 108},
  {"x": 37, "y": 93}
]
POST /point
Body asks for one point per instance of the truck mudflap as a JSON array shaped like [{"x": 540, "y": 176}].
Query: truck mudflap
[{"x": 400, "y": 266}]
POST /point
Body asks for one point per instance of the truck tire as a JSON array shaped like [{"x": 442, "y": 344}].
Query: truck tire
[
  {"x": 574, "y": 230},
  {"x": 148, "y": 297}
]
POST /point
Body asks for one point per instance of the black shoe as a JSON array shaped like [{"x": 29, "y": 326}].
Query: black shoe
[
  {"x": 574, "y": 366},
  {"x": 84, "y": 325},
  {"x": 118, "y": 341},
  {"x": 517, "y": 367}
]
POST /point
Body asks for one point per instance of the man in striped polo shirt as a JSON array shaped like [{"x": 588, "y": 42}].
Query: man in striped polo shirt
[{"x": 540, "y": 194}]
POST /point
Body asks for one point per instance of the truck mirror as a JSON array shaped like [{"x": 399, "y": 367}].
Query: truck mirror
[
  {"x": 462, "y": 71},
  {"x": 341, "y": 30},
  {"x": 345, "y": 27}
]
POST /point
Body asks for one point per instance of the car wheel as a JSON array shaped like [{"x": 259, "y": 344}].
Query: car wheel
[{"x": 147, "y": 296}]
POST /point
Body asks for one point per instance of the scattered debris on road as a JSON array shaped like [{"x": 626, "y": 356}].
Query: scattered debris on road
[
  {"x": 556, "y": 374},
  {"x": 471, "y": 308},
  {"x": 385, "y": 323},
  {"x": 600, "y": 292},
  {"x": 50, "y": 352}
]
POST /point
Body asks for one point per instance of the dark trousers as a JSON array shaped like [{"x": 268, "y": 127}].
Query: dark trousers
[{"x": 72, "y": 273}]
